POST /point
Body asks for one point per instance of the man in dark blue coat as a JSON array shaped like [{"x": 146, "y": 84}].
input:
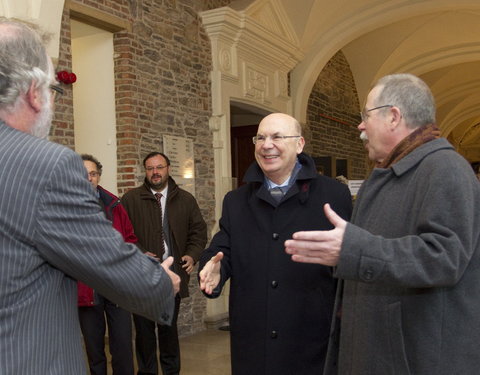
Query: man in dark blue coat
[{"x": 280, "y": 311}]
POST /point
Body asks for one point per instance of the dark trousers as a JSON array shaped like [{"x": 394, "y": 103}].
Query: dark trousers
[
  {"x": 92, "y": 322},
  {"x": 146, "y": 345}
]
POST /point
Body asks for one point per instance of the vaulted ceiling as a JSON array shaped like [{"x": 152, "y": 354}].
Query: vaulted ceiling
[{"x": 438, "y": 40}]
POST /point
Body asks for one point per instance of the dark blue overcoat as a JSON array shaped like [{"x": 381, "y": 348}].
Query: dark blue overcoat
[{"x": 280, "y": 311}]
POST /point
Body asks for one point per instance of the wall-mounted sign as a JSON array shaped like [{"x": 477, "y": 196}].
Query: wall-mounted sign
[{"x": 182, "y": 164}]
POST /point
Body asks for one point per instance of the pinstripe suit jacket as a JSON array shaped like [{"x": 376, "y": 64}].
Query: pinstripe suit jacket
[{"x": 53, "y": 231}]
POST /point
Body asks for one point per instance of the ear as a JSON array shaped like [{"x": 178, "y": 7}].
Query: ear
[
  {"x": 300, "y": 145},
  {"x": 34, "y": 97},
  {"x": 396, "y": 117}
]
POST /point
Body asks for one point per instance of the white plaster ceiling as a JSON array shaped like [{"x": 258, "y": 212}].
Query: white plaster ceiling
[{"x": 438, "y": 40}]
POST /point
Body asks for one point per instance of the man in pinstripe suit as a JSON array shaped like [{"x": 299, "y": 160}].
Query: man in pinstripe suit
[{"x": 52, "y": 229}]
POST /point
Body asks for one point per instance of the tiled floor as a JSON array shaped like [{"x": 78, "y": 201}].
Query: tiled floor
[{"x": 206, "y": 353}]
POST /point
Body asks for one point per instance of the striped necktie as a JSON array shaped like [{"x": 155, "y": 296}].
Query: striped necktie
[
  {"x": 158, "y": 196},
  {"x": 277, "y": 193}
]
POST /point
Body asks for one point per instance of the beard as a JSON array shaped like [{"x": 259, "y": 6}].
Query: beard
[
  {"x": 41, "y": 128},
  {"x": 159, "y": 185}
]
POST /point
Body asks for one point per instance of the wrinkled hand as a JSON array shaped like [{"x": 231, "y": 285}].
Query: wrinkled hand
[
  {"x": 210, "y": 274},
  {"x": 321, "y": 247},
  {"x": 166, "y": 264},
  {"x": 188, "y": 264}
]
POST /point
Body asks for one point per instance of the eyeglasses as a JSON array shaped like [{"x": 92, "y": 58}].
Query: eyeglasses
[
  {"x": 57, "y": 92},
  {"x": 94, "y": 174},
  {"x": 364, "y": 113},
  {"x": 158, "y": 167},
  {"x": 260, "y": 139}
]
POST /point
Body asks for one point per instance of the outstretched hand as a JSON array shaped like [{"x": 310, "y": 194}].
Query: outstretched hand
[
  {"x": 321, "y": 247},
  {"x": 210, "y": 274}
]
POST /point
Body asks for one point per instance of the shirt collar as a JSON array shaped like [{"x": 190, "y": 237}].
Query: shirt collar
[
  {"x": 286, "y": 183},
  {"x": 164, "y": 192}
]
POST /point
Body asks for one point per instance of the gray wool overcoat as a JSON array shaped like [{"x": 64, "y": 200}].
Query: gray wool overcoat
[{"x": 410, "y": 261}]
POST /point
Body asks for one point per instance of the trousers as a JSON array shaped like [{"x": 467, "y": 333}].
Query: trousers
[
  {"x": 146, "y": 345},
  {"x": 93, "y": 325}
]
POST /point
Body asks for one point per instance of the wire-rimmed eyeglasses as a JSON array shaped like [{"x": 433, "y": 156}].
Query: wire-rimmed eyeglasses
[
  {"x": 260, "y": 139},
  {"x": 158, "y": 168},
  {"x": 364, "y": 113}
]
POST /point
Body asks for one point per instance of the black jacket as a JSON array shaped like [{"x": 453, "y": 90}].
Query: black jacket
[{"x": 280, "y": 311}]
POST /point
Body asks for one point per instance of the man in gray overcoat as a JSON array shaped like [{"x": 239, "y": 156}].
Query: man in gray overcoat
[{"x": 408, "y": 300}]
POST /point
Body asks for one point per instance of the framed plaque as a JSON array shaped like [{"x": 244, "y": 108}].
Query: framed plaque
[{"x": 182, "y": 164}]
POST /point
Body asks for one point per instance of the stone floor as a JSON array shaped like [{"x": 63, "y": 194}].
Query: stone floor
[{"x": 205, "y": 353}]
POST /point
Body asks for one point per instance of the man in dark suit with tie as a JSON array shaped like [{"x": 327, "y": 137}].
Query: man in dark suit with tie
[
  {"x": 53, "y": 230},
  {"x": 167, "y": 222}
]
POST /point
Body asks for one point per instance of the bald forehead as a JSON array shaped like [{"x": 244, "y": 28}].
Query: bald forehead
[{"x": 279, "y": 123}]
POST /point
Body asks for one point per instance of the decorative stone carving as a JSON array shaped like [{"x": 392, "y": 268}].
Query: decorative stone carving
[
  {"x": 225, "y": 60},
  {"x": 256, "y": 84},
  {"x": 215, "y": 122},
  {"x": 281, "y": 84}
]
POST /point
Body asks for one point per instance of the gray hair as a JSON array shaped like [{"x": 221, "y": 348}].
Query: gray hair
[
  {"x": 23, "y": 60},
  {"x": 411, "y": 95}
]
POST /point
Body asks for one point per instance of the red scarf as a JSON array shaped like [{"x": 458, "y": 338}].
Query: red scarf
[{"x": 415, "y": 139}]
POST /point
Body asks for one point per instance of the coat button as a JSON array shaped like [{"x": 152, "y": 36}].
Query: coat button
[
  {"x": 368, "y": 274},
  {"x": 273, "y": 334},
  {"x": 275, "y": 236},
  {"x": 274, "y": 284},
  {"x": 165, "y": 316}
]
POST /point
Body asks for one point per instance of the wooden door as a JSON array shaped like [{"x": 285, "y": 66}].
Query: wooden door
[{"x": 242, "y": 150}]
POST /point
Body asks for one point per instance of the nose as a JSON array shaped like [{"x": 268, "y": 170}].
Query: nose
[
  {"x": 268, "y": 142},
  {"x": 361, "y": 126}
]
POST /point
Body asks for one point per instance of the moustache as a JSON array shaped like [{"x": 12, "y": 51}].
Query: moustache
[{"x": 363, "y": 136}]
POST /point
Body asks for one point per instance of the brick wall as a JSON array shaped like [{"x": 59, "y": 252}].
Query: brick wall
[
  {"x": 213, "y": 4},
  {"x": 62, "y": 125},
  {"x": 333, "y": 117},
  {"x": 162, "y": 87}
]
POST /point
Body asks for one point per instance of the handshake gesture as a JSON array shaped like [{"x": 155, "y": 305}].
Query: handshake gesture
[
  {"x": 210, "y": 274},
  {"x": 166, "y": 264}
]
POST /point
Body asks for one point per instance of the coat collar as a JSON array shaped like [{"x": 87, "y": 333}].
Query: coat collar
[
  {"x": 109, "y": 201},
  {"x": 255, "y": 174},
  {"x": 146, "y": 192},
  {"x": 413, "y": 158}
]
